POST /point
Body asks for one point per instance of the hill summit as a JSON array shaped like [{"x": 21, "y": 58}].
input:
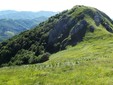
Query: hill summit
[{"x": 64, "y": 29}]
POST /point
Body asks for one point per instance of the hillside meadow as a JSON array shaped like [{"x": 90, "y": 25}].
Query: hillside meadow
[{"x": 87, "y": 63}]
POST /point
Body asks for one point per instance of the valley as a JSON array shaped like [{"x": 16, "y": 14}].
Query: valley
[{"x": 15, "y": 22}]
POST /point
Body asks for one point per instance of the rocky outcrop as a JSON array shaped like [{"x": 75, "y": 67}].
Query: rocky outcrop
[
  {"x": 97, "y": 19},
  {"x": 91, "y": 29},
  {"x": 108, "y": 28},
  {"x": 78, "y": 31},
  {"x": 61, "y": 29}
]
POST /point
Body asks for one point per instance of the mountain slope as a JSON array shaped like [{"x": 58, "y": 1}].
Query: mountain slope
[
  {"x": 89, "y": 62},
  {"x": 55, "y": 34},
  {"x": 9, "y": 27},
  {"x": 14, "y": 22}
]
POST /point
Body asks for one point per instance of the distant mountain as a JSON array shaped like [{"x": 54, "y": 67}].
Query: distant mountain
[
  {"x": 64, "y": 29},
  {"x": 14, "y": 22},
  {"x": 10, "y": 14},
  {"x": 9, "y": 27}
]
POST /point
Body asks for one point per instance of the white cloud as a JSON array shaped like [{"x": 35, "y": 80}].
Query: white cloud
[{"x": 55, "y": 5}]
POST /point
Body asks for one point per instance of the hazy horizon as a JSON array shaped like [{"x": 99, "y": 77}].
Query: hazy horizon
[
  {"x": 54, "y": 5},
  {"x": 29, "y": 10}
]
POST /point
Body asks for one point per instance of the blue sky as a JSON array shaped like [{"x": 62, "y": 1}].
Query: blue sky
[{"x": 55, "y": 5}]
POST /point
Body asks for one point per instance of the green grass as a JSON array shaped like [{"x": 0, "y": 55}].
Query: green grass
[{"x": 87, "y": 63}]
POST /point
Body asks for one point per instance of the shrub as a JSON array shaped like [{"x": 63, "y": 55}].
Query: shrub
[
  {"x": 24, "y": 57},
  {"x": 28, "y": 57},
  {"x": 44, "y": 57}
]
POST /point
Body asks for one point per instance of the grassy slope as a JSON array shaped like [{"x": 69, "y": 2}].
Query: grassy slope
[{"x": 89, "y": 62}]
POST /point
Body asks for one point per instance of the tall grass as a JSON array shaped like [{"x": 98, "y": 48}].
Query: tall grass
[{"x": 87, "y": 63}]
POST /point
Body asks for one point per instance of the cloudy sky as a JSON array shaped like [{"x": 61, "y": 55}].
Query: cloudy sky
[{"x": 55, "y": 5}]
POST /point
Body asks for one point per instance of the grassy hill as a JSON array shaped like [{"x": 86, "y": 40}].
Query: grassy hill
[
  {"x": 76, "y": 45},
  {"x": 89, "y": 62},
  {"x": 59, "y": 31}
]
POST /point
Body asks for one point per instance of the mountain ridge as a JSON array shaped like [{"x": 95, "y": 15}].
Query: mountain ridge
[
  {"x": 14, "y": 22},
  {"x": 17, "y": 26},
  {"x": 64, "y": 29},
  {"x": 12, "y": 14}
]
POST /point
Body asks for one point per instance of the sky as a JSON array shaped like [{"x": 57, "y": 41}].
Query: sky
[{"x": 55, "y": 5}]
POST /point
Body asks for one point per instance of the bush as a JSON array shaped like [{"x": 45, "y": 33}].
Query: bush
[
  {"x": 24, "y": 57},
  {"x": 28, "y": 57},
  {"x": 44, "y": 57}
]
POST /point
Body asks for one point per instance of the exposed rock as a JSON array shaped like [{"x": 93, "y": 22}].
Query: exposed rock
[
  {"x": 58, "y": 29},
  {"x": 97, "y": 19},
  {"x": 78, "y": 27},
  {"x": 91, "y": 29},
  {"x": 61, "y": 28},
  {"x": 90, "y": 13},
  {"x": 108, "y": 28},
  {"x": 78, "y": 32},
  {"x": 81, "y": 16}
]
